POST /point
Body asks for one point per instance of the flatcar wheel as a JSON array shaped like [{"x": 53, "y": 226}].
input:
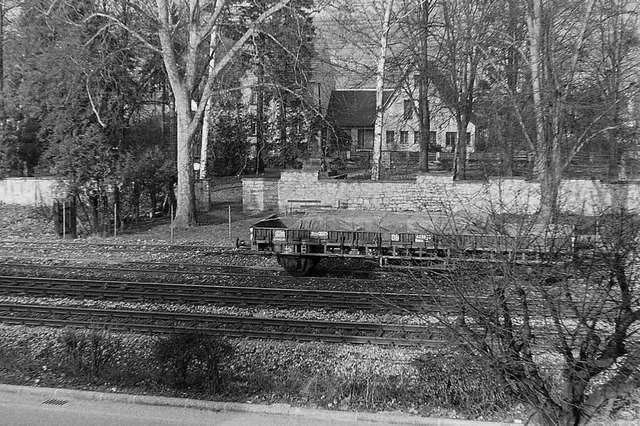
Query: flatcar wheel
[{"x": 297, "y": 266}]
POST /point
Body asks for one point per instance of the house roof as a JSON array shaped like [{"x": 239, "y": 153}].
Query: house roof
[{"x": 354, "y": 108}]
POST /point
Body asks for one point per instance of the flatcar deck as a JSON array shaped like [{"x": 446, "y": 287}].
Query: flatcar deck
[{"x": 413, "y": 238}]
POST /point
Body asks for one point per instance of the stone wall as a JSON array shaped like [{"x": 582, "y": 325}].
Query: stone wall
[
  {"x": 299, "y": 190},
  {"x": 27, "y": 191},
  {"x": 202, "y": 190},
  {"x": 40, "y": 191},
  {"x": 260, "y": 194}
]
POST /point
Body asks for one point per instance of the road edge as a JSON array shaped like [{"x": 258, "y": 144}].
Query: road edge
[{"x": 276, "y": 409}]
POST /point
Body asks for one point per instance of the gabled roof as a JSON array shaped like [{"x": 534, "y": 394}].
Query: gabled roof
[{"x": 354, "y": 108}]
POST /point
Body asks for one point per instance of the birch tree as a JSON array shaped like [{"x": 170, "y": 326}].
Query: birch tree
[
  {"x": 207, "y": 118},
  {"x": 377, "y": 133}
]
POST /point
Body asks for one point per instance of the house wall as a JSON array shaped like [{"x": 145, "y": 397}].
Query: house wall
[
  {"x": 431, "y": 193},
  {"x": 442, "y": 122},
  {"x": 28, "y": 191}
]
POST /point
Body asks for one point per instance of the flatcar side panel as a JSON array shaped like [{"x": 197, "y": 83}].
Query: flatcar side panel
[{"x": 311, "y": 237}]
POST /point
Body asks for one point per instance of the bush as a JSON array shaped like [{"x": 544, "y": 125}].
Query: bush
[
  {"x": 186, "y": 356},
  {"x": 457, "y": 380},
  {"x": 88, "y": 353},
  {"x": 439, "y": 382}
]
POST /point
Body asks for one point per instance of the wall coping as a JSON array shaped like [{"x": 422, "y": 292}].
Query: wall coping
[{"x": 261, "y": 178}]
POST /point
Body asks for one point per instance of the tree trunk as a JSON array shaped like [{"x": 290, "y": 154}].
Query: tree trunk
[
  {"x": 550, "y": 101},
  {"x": 183, "y": 72},
  {"x": 425, "y": 128},
  {"x": 460, "y": 155},
  {"x": 377, "y": 137},
  {"x": 204, "y": 142},
  {"x": 508, "y": 119},
  {"x": 95, "y": 217},
  {"x": 283, "y": 128},
  {"x": 2, "y": 115},
  {"x": 423, "y": 91},
  {"x": 260, "y": 145},
  {"x": 185, "y": 212},
  {"x": 537, "y": 27},
  {"x": 550, "y": 179},
  {"x": 206, "y": 121}
]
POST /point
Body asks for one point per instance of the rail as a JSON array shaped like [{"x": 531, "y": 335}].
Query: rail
[
  {"x": 223, "y": 325},
  {"x": 208, "y": 294}
]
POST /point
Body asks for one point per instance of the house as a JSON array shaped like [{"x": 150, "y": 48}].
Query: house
[{"x": 351, "y": 117}]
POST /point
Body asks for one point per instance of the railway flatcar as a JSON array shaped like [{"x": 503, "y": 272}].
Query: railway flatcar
[{"x": 416, "y": 238}]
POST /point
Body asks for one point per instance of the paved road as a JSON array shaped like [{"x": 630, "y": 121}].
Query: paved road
[
  {"x": 29, "y": 410},
  {"x": 26, "y": 406}
]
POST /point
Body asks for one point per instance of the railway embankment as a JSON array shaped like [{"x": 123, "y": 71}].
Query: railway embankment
[
  {"x": 257, "y": 369},
  {"x": 418, "y": 380}
]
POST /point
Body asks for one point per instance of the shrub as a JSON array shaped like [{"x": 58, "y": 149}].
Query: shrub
[
  {"x": 88, "y": 353},
  {"x": 187, "y": 355},
  {"x": 453, "y": 379}
]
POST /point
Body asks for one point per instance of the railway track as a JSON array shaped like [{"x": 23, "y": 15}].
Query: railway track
[
  {"x": 225, "y": 325},
  {"x": 209, "y": 294},
  {"x": 197, "y": 262},
  {"x": 12, "y": 246},
  {"x": 216, "y": 275},
  {"x": 147, "y": 268}
]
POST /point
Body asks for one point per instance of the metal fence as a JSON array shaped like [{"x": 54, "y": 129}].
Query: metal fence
[{"x": 483, "y": 165}]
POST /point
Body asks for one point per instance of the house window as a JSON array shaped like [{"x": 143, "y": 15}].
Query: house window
[
  {"x": 391, "y": 135},
  {"x": 253, "y": 96},
  {"x": 432, "y": 137},
  {"x": 408, "y": 109},
  {"x": 450, "y": 138},
  {"x": 404, "y": 137},
  {"x": 361, "y": 139},
  {"x": 468, "y": 139},
  {"x": 253, "y": 128},
  {"x": 365, "y": 139}
]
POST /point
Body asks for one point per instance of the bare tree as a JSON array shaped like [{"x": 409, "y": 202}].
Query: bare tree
[
  {"x": 615, "y": 44},
  {"x": 6, "y": 7},
  {"x": 414, "y": 60},
  {"x": 377, "y": 134},
  {"x": 424, "y": 111},
  {"x": 207, "y": 118},
  {"x": 550, "y": 89},
  {"x": 504, "y": 70},
  {"x": 187, "y": 50},
  {"x": 2, "y": 114},
  {"x": 569, "y": 44},
  {"x": 553, "y": 309},
  {"x": 464, "y": 38},
  {"x": 186, "y": 76}
]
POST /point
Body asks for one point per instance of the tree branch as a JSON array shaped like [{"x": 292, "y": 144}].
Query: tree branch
[{"x": 120, "y": 24}]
